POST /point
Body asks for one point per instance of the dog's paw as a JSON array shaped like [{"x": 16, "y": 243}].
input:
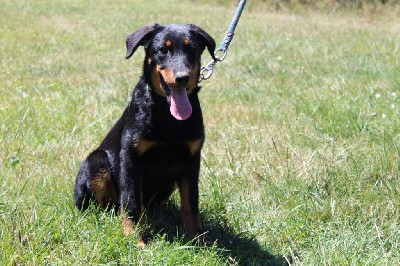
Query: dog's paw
[{"x": 141, "y": 245}]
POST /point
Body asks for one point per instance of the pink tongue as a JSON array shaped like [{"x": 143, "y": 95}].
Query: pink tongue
[{"x": 180, "y": 106}]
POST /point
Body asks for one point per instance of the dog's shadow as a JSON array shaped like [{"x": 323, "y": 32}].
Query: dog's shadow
[{"x": 240, "y": 249}]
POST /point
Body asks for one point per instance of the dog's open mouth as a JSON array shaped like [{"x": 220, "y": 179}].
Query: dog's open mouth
[{"x": 180, "y": 106}]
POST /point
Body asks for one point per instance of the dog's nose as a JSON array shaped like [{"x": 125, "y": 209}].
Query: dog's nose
[{"x": 182, "y": 78}]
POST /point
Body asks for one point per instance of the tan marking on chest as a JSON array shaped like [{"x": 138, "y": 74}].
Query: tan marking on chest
[
  {"x": 144, "y": 145},
  {"x": 194, "y": 145}
]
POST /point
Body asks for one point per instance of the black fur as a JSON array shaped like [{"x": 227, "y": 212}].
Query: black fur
[{"x": 148, "y": 151}]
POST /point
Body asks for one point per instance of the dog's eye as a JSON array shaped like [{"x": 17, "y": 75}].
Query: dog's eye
[{"x": 164, "y": 49}]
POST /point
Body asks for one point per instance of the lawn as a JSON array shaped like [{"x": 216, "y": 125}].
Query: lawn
[{"x": 301, "y": 163}]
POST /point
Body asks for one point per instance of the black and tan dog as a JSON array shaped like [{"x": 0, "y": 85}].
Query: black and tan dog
[{"x": 155, "y": 146}]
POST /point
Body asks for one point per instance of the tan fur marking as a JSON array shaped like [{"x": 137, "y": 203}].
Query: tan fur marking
[
  {"x": 128, "y": 228},
  {"x": 186, "y": 42},
  {"x": 194, "y": 74},
  {"x": 127, "y": 225},
  {"x": 169, "y": 77},
  {"x": 144, "y": 145},
  {"x": 191, "y": 223},
  {"x": 168, "y": 43},
  {"x": 141, "y": 244},
  {"x": 103, "y": 189},
  {"x": 156, "y": 82},
  {"x": 195, "y": 145}
]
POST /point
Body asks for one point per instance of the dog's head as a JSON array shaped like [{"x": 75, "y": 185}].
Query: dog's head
[{"x": 173, "y": 60}]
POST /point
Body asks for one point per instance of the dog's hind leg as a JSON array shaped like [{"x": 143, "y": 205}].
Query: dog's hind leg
[{"x": 94, "y": 182}]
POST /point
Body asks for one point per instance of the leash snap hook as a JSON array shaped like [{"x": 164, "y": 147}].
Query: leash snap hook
[{"x": 207, "y": 70}]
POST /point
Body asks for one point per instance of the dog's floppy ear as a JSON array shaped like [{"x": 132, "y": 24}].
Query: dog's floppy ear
[
  {"x": 139, "y": 37},
  {"x": 205, "y": 38}
]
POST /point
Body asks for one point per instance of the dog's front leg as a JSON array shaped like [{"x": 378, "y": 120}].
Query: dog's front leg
[
  {"x": 131, "y": 194},
  {"x": 189, "y": 194},
  {"x": 189, "y": 207}
]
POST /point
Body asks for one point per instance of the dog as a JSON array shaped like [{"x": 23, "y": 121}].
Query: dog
[{"x": 155, "y": 145}]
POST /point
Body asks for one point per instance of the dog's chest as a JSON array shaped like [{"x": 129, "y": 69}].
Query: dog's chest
[
  {"x": 174, "y": 149},
  {"x": 163, "y": 163}
]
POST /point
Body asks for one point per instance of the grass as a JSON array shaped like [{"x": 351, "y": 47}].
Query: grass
[{"x": 301, "y": 162}]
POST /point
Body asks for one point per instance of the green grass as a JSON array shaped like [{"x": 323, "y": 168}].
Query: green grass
[{"x": 301, "y": 162}]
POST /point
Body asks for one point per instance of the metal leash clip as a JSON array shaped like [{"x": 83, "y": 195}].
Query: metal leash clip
[{"x": 206, "y": 71}]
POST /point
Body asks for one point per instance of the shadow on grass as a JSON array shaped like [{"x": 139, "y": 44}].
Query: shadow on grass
[{"x": 242, "y": 249}]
